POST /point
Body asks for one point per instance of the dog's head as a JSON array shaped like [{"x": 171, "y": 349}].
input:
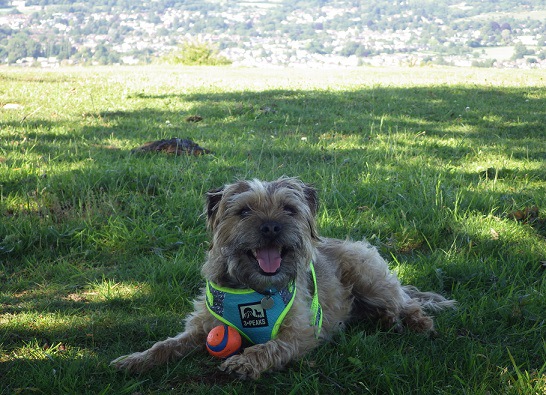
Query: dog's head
[{"x": 262, "y": 233}]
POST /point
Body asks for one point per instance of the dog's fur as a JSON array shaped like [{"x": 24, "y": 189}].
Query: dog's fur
[{"x": 354, "y": 282}]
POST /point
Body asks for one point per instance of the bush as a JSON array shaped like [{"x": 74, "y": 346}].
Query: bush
[
  {"x": 198, "y": 54},
  {"x": 484, "y": 63}
]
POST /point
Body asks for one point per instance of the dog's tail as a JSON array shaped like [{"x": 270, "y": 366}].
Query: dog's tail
[{"x": 429, "y": 300}]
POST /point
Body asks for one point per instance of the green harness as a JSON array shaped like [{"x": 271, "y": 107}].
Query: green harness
[{"x": 257, "y": 316}]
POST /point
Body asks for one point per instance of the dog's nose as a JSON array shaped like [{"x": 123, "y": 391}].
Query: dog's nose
[{"x": 270, "y": 229}]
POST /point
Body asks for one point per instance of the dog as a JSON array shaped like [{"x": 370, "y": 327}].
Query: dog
[{"x": 285, "y": 288}]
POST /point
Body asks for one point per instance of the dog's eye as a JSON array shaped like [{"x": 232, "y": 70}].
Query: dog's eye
[
  {"x": 289, "y": 210},
  {"x": 245, "y": 212}
]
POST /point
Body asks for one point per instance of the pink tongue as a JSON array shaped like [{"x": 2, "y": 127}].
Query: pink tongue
[{"x": 269, "y": 259}]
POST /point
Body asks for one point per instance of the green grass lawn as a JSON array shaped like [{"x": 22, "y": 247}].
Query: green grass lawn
[{"x": 100, "y": 249}]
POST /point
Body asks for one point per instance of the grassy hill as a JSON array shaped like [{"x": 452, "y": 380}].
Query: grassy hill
[{"x": 443, "y": 169}]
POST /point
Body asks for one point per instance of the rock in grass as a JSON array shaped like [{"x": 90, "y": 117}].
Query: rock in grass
[
  {"x": 527, "y": 215},
  {"x": 12, "y": 106},
  {"x": 194, "y": 118},
  {"x": 175, "y": 146}
]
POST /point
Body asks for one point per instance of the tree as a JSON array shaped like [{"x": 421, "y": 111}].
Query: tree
[
  {"x": 349, "y": 48},
  {"x": 520, "y": 51},
  {"x": 506, "y": 36},
  {"x": 101, "y": 54},
  {"x": 65, "y": 50},
  {"x": 84, "y": 55},
  {"x": 317, "y": 47},
  {"x": 494, "y": 26},
  {"x": 363, "y": 52},
  {"x": 21, "y": 46}
]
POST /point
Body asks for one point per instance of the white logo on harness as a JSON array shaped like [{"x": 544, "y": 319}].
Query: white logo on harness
[{"x": 253, "y": 315}]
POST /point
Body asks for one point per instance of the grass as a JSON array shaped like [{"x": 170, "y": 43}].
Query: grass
[
  {"x": 499, "y": 53},
  {"x": 100, "y": 249}
]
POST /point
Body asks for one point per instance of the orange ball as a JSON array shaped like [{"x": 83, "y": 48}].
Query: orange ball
[{"x": 223, "y": 341}]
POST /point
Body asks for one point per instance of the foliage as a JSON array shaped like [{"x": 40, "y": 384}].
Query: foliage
[
  {"x": 100, "y": 249},
  {"x": 194, "y": 53},
  {"x": 521, "y": 51}
]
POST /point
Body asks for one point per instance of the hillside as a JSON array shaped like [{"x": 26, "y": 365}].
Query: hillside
[{"x": 310, "y": 32}]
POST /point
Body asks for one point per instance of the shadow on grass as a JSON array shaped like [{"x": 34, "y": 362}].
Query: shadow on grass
[
  {"x": 311, "y": 134},
  {"x": 507, "y": 114},
  {"x": 269, "y": 124},
  {"x": 367, "y": 151}
]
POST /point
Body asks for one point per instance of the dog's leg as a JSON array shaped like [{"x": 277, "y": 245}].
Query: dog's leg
[
  {"x": 259, "y": 358},
  {"x": 412, "y": 312},
  {"x": 160, "y": 353},
  {"x": 295, "y": 338},
  {"x": 377, "y": 292},
  {"x": 197, "y": 326},
  {"x": 380, "y": 301}
]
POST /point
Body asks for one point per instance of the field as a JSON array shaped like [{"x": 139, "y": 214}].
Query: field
[
  {"x": 444, "y": 170},
  {"x": 498, "y": 53}
]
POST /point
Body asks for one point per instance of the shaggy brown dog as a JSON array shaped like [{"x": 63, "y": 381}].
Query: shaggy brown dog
[{"x": 265, "y": 246}]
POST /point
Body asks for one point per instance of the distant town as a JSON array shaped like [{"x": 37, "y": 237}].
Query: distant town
[{"x": 317, "y": 33}]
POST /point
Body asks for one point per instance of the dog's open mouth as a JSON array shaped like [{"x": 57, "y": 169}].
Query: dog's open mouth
[{"x": 268, "y": 258}]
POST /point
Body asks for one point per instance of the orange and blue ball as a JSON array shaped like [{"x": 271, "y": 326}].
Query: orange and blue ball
[{"x": 223, "y": 341}]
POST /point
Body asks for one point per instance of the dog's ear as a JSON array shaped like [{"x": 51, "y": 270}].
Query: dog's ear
[
  {"x": 309, "y": 192},
  {"x": 311, "y": 196},
  {"x": 214, "y": 197}
]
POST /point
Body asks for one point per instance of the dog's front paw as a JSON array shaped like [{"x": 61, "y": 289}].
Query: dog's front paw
[
  {"x": 136, "y": 362},
  {"x": 241, "y": 366}
]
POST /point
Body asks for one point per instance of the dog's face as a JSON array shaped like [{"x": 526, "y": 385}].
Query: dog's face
[{"x": 262, "y": 233}]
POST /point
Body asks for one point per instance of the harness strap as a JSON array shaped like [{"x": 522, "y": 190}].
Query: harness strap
[{"x": 316, "y": 308}]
